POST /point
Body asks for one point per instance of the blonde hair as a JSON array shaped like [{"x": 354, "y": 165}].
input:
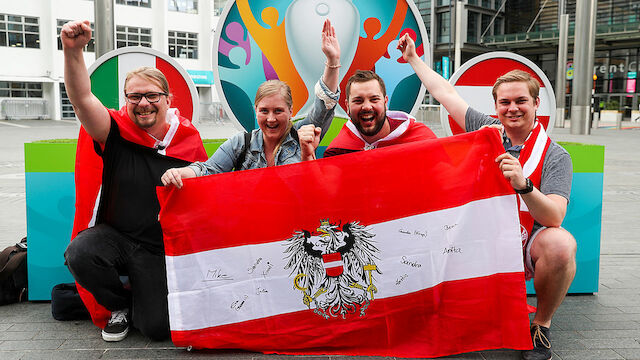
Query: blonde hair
[
  {"x": 150, "y": 74},
  {"x": 276, "y": 87},
  {"x": 517, "y": 76}
]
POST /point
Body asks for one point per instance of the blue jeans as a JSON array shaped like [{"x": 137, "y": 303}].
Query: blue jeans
[{"x": 99, "y": 255}]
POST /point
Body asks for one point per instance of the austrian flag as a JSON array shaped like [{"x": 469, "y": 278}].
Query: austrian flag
[{"x": 411, "y": 251}]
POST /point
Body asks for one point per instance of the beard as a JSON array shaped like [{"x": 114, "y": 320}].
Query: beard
[
  {"x": 145, "y": 122},
  {"x": 378, "y": 123}
]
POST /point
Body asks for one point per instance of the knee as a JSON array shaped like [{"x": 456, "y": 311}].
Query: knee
[
  {"x": 77, "y": 254},
  {"x": 566, "y": 247},
  {"x": 557, "y": 246},
  {"x": 82, "y": 254}
]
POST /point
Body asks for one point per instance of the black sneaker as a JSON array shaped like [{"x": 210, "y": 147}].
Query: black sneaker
[
  {"x": 117, "y": 327},
  {"x": 541, "y": 344}
]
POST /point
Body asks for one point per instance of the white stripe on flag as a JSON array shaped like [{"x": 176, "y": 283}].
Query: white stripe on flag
[
  {"x": 329, "y": 265},
  {"x": 483, "y": 100},
  {"x": 536, "y": 154},
  {"x": 128, "y": 62},
  {"x": 242, "y": 283}
]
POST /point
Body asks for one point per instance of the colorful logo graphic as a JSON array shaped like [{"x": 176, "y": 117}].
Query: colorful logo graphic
[
  {"x": 259, "y": 40},
  {"x": 334, "y": 268}
]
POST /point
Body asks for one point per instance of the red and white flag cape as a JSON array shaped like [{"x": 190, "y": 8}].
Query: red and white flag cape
[
  {"x": 430, "y": 256},
  {"x": 185, "y": 144}
]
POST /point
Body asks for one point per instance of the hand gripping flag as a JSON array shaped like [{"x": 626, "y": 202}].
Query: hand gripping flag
[{"x": 411, "y": 250}]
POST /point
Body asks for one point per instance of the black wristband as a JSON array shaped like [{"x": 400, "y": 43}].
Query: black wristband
[{"x": 527, "y": 189}]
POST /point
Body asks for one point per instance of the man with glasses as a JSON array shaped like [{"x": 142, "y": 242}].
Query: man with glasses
[{"x": 116, "y": 222}]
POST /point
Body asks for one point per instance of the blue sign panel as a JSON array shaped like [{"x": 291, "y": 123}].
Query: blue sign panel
[
  {"x": 201, "y": 77},
  {"x": 445, "y": 67}
]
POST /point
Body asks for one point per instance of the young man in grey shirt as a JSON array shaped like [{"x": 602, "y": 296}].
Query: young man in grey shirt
[{"x": 538, "y": 169}]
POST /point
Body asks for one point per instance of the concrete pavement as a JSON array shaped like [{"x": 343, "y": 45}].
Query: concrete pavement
[{"x": 605, "y": 325}]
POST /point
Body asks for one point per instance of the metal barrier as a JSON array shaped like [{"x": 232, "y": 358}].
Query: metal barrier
[
  {"x": 428, "y": 114},
  {"x": 213, "y": 112},
  {"x": 11, "y": 109}
]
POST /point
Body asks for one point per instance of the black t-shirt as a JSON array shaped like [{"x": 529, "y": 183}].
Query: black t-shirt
[{"x": 128, "y": 200}]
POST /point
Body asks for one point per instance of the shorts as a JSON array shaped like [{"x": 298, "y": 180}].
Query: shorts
[{"x": 529, "y": 266}]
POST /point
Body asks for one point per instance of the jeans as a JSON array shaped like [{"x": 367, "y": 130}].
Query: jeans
[{"x": 99, "y": 255}]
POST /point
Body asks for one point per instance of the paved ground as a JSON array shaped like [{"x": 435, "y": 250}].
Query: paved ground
[{"x": 605, "y": 325}]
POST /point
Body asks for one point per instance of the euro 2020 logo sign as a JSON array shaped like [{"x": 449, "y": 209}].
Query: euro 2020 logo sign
[{"x": 259, "y": 40}]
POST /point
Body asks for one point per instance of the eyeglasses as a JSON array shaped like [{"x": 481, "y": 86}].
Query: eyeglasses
[{"x": 152, "y": 97}]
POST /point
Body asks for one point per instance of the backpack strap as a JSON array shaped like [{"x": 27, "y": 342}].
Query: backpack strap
[
  {"x": 243, "y": 152},
  {"x": 294, "y": 134}
]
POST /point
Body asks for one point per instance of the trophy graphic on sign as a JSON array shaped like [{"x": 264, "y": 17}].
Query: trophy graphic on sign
[
  {"x": 305, "y": 51},
  {"x": 258, "y": 40}
]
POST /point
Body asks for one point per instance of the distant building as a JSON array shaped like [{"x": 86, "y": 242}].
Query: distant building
[
  {"x": 530, "y": 28},
  {"x": 31, "y": 78},
  {"x": 32, "y": 71}
]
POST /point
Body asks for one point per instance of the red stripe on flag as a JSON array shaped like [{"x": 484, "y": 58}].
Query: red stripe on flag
[
  {"x": 465, "y": 318},
  {"x": 265, "y": 194},
  {"x": 487, "y": 71},
  {"x": 331, "y": 257},
  {"x": 178, "y": 87}
]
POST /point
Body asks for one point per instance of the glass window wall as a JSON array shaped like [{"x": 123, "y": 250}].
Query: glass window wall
[
  {"x": 185, "y": 6},
  {"x": 19, "y": 31}
]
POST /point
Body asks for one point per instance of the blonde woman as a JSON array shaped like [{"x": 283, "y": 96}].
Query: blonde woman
[{"x": 277, "y": 141}]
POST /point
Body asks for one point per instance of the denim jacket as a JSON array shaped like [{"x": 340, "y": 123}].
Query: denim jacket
[{"x": 223, "y": 159}]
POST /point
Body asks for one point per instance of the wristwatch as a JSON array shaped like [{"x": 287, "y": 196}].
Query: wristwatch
[{"x": 527, "y": 189}]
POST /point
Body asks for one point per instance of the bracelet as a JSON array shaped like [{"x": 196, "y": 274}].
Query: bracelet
[{"x": 332, "y": 66}]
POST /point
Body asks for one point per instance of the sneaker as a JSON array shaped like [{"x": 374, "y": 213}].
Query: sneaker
[
  {"x": 541, "y": 344},
  {"x": 117, "y": 327}
]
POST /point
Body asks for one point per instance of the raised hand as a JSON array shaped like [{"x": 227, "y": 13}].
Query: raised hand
[
  {"x": 408, "y": 47},
  {"x": 330, "y": 44},
  {"x": 309, "y": 137},
  {"x": 75, "y": 34}
]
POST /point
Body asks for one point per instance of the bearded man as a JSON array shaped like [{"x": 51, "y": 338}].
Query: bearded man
[
  {"x": 121, "y": 233},
  {"x": 370, "y": 124}
]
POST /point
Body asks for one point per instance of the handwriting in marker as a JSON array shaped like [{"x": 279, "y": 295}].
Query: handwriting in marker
[
  {"x": 237, "y": 305},
  {"x": 253, "y": 267},
  {"x": 410, "y": 263},
  {"x": 265, "y": 272},
  {"x": 403, "y": 231},
  {"x": 449, "y": 227},
  {"x": 217, "y": 275},
  {"x": 260, "y": 290},
  {"x": 452, "y": 250},
  {"x": 420, "y": 233},
  {"x": 401, "y": 279}
]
